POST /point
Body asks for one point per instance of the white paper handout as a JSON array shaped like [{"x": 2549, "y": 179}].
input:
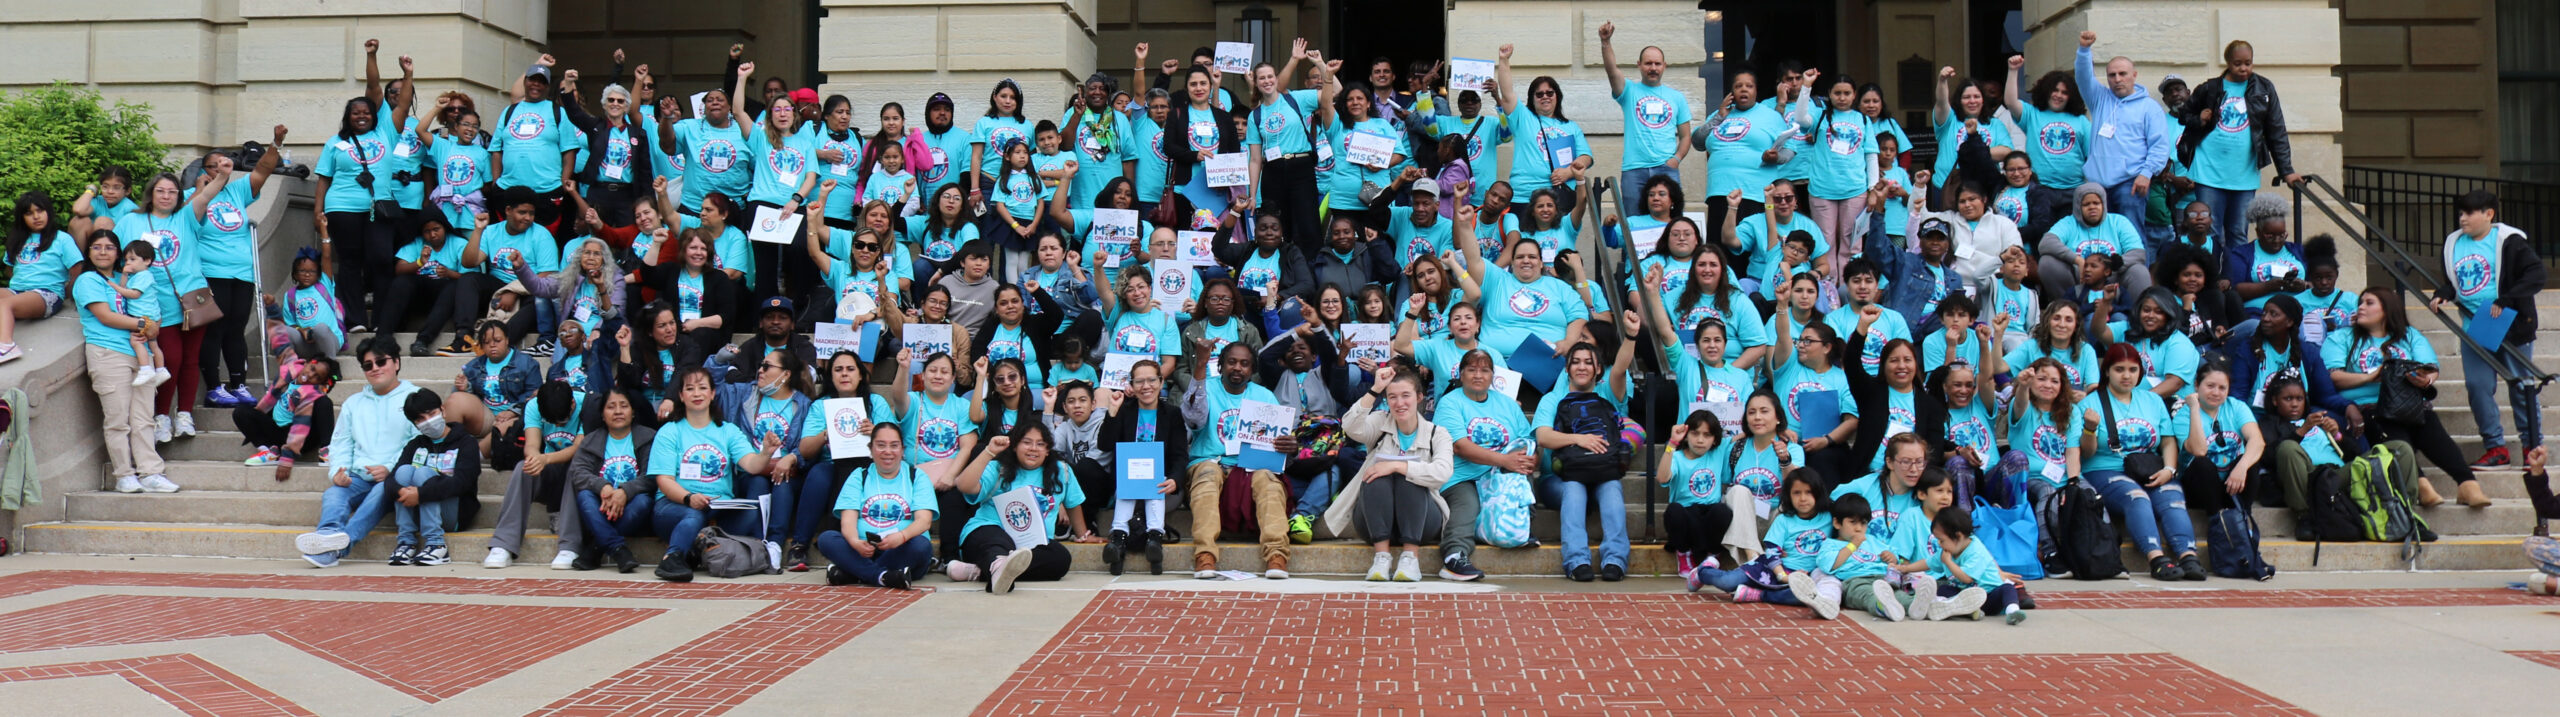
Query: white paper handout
[
  {"x": 1195, "y": 247},
  {"x": 774, "y": 227},
  {"x": 1367, "y": 341},
  {"x": 845, "y": 438},
  {"x": 1236, "y": 57},
  {"x": 1114, "y": 226},
  {"x": 1173, "y": 283},
  {"x": 1506, "y": 382},
  {"x": 1470, "y": 74},
  {"x": 1228, "y": 170},
  {"x": 1369, "y": 149},
  {"x": 762, "y": 505},
  {"x": 1018, "y": 512},
  {"x": 833, "y": 338},
  {"x": 1266, "y": 422},
  {"x": 1646, "y": 238},
  {"x": 1115, "y": 369},
  {"x": 855, "y": 302}
]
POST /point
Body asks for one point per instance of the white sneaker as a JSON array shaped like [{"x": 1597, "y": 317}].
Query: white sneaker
[
  {"x": 318, "y": 543},
  {"x": 160, "y": 376},
  {"x": 160, "y": 429},
  {"x": 145, "y": 378},
  {"x": 1924, "y": 598},
  {"x": 498, "y": 559},
  {"x": 1275, "y": 574},
  {"x": 1002, "y": 574},
  {"x": 1804, "y": 586},
  {"x": 156, "y": 483},
  {"x": 1408, "y": 568},
  {"x": 564, "y": 559},
  {"x": 1966, "y": 602},
  {"x": 10, "y": 352},
  {"x": 186, "y": 425},
  {"x": 128, "y": 484},
  {"x": 1380, "y": 564},
  {"x": 961, "y": 572},
  {"x": 1885, "y": 604}
]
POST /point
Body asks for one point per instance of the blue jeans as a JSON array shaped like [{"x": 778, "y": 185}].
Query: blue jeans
[
  {"x": 546, "y": 318},
  {"x": 422, "y": 526},
  {"x": 607, "y": 533},
  {"x": 812, "y": 510},
  {"x": 354, "y": 508},
  {"x": 2230, "y": 213},
  {"x": 777, "y": 527},
  {"x": 909, "y": 557},
  {"x": 678, "y": 523},
  {"x": 1317, "y": 492},
  {"x": 2122, "y": 200},
  {"x": 1631, "y": 188},
  {"x": 1573, "y": 501},
  {"x": 2481, "y": 383},
  {"x": 2150, "y": 515},
  {"x": 1730, "y": 580}
]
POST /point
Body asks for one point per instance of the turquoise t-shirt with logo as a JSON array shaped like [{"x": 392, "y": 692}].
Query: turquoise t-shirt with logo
[
  {"x": 994, "y": 482},
  {"x": 346, "y": 157},
  {"x": 934, "y": 427},
  {"x": 2224, "y": 441},
  {"x": 1483, "y": 134},
  {"x": 429, "y": 258},
  {"x": 884, "y": 504},
  {"x": 1225, "y": 420},
  {"x": 499, "y": 248},
  {"x": 2140, "y": 423},
  {"x": 225, "y": 231},
  {"x": 462, "y": 168},
  {"x": 1734, "y": 148},
  {"x": 2222, "y": 157},
  {"x": 948, "y": 150},
  {"x": 2058, "y": 144},
  {"x": 993, "y": 133},
  {"x": 1514, "y": 311},
  {"x": 1653, "y": 115},
  {"x": 2046, "y": 442},
  {"x": 712, "y": 451},
  {"x": 2113, "y": 236},
  {"x": 1493, "y": 424},
  {"x": 1700, "y": 480},
  {"x": 2475, "y": 269},
  {"x": 715, "y": 160},
  {"x": 1535, "y": 153},
  {"x": 1794, "y": 381},
  {"x": 528, "y": 140},
  {"x": 1842, "y": 152},
  {"x": 1951, "y": 134},
  {"x": 2353, "y": 352},
  {"x": 92, "y": 288},
  {"x": 2265, "y": 266}
]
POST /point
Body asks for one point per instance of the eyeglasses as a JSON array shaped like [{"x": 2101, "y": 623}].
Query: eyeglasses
[
  {"x": 1907, "y": 462},
  {"x": 773, "y": 366},
  {"x": 1546, "y": 93},
  {"x": 1808, "y": 339},
  {"x": 866, "y": 246},
  {"x": 371, "y": 365},
  {"x": 1782, "y": 199},
  {"x": 1008, "y": 378}
]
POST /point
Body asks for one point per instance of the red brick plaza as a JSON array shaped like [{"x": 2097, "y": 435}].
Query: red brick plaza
[{"x": 454, "y": 643}]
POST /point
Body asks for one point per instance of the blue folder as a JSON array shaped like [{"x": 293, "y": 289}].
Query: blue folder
[
  {"x": 1817, "y": 412},
  {"x": 1537, "y": 362},
  {"x": 1258, "y": 459},
  {"x": 1137, "y": 485},
  {"x": 2490, "y": 331}
]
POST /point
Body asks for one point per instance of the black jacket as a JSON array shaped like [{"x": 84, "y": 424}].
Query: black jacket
[
  {"x": 2267, "y": 140},
  {"x": 1294, "y": 279},
  {"x": 598, "y": 132},
  {"x": 1122, "y": 427},
  {"x": 462, "y": 481},
  {"x": 1175, "y": 144},
  {"x": 1927, "y": 410},
  {"x": 2520, "y": 277},
  {"x": 719, "y": 292}
]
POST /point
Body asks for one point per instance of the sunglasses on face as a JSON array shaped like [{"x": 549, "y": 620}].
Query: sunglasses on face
[
  {"x": 1544, "y": 93},
  {"x": 866, "y": 246},
  {"x": 371, "y": 365},
  {"x": 1782, "y": 199}
]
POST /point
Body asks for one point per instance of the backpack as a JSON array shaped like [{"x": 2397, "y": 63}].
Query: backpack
[
  {"x": 1585, "y": 413},
  {"x": 729, "y": 556},
  {"x": 1502, "y": 519},
  {"x": 2329, "y": 515},
  {"x": 2379, "y": 484},
  {"x": 2233, "y": 538},
  {"x": 2084, "y": 536}
]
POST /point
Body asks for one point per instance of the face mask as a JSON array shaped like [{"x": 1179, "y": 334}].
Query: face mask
[
  {"x": 433, "y": 428},
  {"x": 769, "y": 391}
]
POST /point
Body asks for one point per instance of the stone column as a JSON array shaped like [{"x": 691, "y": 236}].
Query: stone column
[
  {"x": 879, "y": 51},
  {"x": 2297, "y": 47}
]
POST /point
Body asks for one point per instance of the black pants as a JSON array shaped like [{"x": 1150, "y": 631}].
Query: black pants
[
  {"x": 1832, "y": 463},
  {"x": 1397, "y": 511},
  {"x": 613, "y": 201},
  {"x": 228, "y": 344},
  {"x": 2428, "y": 436},
  {"x": 988, "y": 542},
  {"x": 461, "y": 305},
  {"x": 259, "y": 428},
  {"x": 1099, "y": 485},
  {"x": 1695, "y": 530},
  {"x": 412, "y": 287},
  {"x": 2206, "y": 493},
  {"x": 946, "y": 530},
  {"x": 364, "y": 250},
  {"x": 781, "y": 269},
  {"x": 1289, "y": 187}
]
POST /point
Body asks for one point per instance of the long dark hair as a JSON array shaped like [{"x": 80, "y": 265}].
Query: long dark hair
[
  {"x": 2395, "y": 318},
  {"x": 934, "y": 224},
  {"x": 347, "y": 114},
  {"x": 1001, "y": 86},
  {"x": 861, "y": 388},
  {"x": 644, "y": 341},
  {"x": 795, "y": 372},
  {"x": 33, "y": 200},
  {"x": 87, "y": 264},
  {"x": 1689, "y": 294},
  {"x": 675, "y": 392},
  {"x": 2044, "y": 87},
  {"x": 1010, "y": 460}
]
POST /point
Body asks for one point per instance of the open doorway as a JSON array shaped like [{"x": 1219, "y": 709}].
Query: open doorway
[{"x": 1400, "y": 31}]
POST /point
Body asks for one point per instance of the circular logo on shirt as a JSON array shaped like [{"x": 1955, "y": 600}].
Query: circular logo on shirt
[
  {"x": 2265, "y": 270},
  {"x": 2471, "y": 275},
  {"x": 1529, "y": 304},
  {"x": 617, "y": 154},
  {"x": 1418, "y": 246},
  {"x": 1274, "y": 123},
  {"x": 2368, "y": 358},
  {"x": 1133, "y": 338},
  {"x": 2013, "y": 206},
  {"x": 2057, "y": 138},
  {"x": 1488, "y": 433},
  {"x": 1805, "y": 542},
  {"x": 1476, "y": 145},
  {"x": 1230, "y": 425},
  {"x": 459, "y": 171},
  {"x": 938, "y": 437},
  {"x": 2223, "y": 446},
  {"x": 771, "y": 423},
  {"x": 1203, "y": 135},
  {"x": 787, "y": 161},
  {"x": 1700, "y": 483},
  {"x": 2094, "y": 245},
  {"x": 852, "y": 153},
  {"x": 1762, "y": 482},
  {"x": 1873, "y": 356},
  {"x": 220, "y": 215},
  {"x": 1001, "y": 136},
  {"x": 371, "y": 151},
  {"x": 2234, "y": 116},
  {"x": 940, "y": 166},
  {"x": 712, "y": 463},
  {"x": 1732, "y": 129},
  {"x": 166, "y": 243},
  {"x": 307, "y": 307},
  {"x": 618, "y": 469},
  {"x": 2136, "y": 431},
  {"x": 2048, "y": 444},
  {"x": 1093, "y": 150},
  {"x": 717, "y": 156},
  {"x": 1653, "y": 112},
  {"x": 1798, "y": 390},
  {"x": 31, "y": 253},
  {"x": 1257, "y": 279},
  {"x": 528, "y": 125},
  {"x": 1971, "y": 433},
  {"x": 885, "y": 511},
  {"x": 1847, "y": 137},
  {"x": 1004, "y": 349}
]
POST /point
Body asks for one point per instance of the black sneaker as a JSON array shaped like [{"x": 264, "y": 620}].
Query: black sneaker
[
  {"x": 2192, "y": 567},
  {"x": 1155, "y": 552},
  {"x": 1580, "y": 573},
  {"x": 836, "y": 575},
  {"x": 1612, "y": 573},
  {"x": 587, "y": 560},
  {"x": 893, "y": 579},
  {"x": 403, "y": 554},
  {"x": 796, "y": 558},
  {"x": 1116, "y": 550},
  {"x": 1457, "y": 568},
  {"x": 421, "y": 349},
  {"x": 673, "y": 567},
  {"x": 623, "y": 560},
  {"x": 433, "y": 555},
  {"x": 2164, "y": 570}
]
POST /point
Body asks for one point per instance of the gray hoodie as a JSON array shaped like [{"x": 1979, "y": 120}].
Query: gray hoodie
[
  {"x": 1079, "y": 441},
  {"x": 586, "y": 469}
]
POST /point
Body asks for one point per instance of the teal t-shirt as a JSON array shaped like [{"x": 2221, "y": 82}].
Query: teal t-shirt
[
  {"x": 2113, "y": 235},
  {"x": 1797, "y": 540},
  {"x": 1734, "y": 149},
  {"x": 1889, "y": 511},
  {"x": 1842, "y": 153},
  {"x": 716, "y": 159},
  {"x": 995, "y": 482},
  {"x": 730, "y": 250},
  {"x": 934, "y": 427},
  {"x": 2352, "y": 352},
  {"x": 2475, "y": 265},
  {"x": 1152, "y": 162},
  {"x": 462, "y": 168},
  {"x": 225, "y": 230},
  {"x": 2139, "y": 425},
  {"x": 2224, "y": 441},
  {"x": 1969, "y": 426},
  {"x": 178, "y": 267},
  {"x": 1795, "y": 380},
  {"x": 1494, "y": 424},
  {"x": 1101, "y": 144},
  {"x": 528, "y": 139},
  {"x": 1699, "y": 480},
  {"x": 1891, "y": 325},
  {"x": 1765, "y": 250},
  {"x": 1280, "y": 127},
  {"x": 1951, "y": 134},
  {"x": 884, "y": 504},
  {"x": 1441, "y": 355},
  {"x": 948, "y": 151},
  {"x": 2265, "y": 265},
  {"x": 93, "y": 288},
  {"x": 1763, "y": 470},
  {"x": 38, "y": 266},
  {"x": 2061, "y": 145},
  {"x": 1866, "y": 559},
  {"x": 499, "y": 248},
  {"x": 1975, "y": 560},
  {"x": 2012, "y": 203},
  {"x": 1653, "y": 115},
  {"x": 1514, "y": 311},
  {"x": 778, "y": 170},
  {"x": 1413, "y": 242},
  {"x": 2165, "y": 356},
  {"x": 1225, "y": 420},
  {"x": 712, "y": 451},
  {"x": 1149, "y": 333},
  {"x": 992, "y": 133},
  {"x": 1544, "y": 145},
  {"x": 1483, "y": 134},
  {"x": 2223, "y": 159},
  {"x": 1935, "y": 351},
  {"x": 2019, "y": 303},
  {"x": 2079, "y": 368},
  {"x": 429, "y": 258},
  {"x": 345, "y": 157}
]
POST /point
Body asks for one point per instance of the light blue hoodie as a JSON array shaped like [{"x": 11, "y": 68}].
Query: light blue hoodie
[
  {"x": 2131, "y": 136},
  {"x": 372, "y": 428}
]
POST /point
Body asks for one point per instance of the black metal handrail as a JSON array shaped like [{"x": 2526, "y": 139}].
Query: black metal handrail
[
  {"x": 2408, "y": 274},
  {"x": 2419, "y": 207}
]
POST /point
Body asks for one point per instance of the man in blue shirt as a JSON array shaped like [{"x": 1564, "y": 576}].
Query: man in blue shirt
[
  {"x": 1653, "y": 145},
  {"x": 529, "y": 135},
  {"x": 2134, "y": 135}
]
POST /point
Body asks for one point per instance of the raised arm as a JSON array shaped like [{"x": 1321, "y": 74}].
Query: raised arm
[
  {"x": 268, "y": 161},
  {"x": 816, "y": 229},
  {"x": 372, "y": 71},
  {"x": 2009, "y": 81},
  {"x": 2085, "y": 74},
  {"x": 1938, "y": 111},
  {"x": 1502, "y": 80},
  {"x": 1609, "y": 60}
]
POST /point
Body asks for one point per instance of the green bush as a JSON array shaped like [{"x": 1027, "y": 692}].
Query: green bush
[{"x": 57, "y": 138}]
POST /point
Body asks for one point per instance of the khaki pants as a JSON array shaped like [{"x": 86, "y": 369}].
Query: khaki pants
[
  {"x": 126, "y": 414},
  {"x": 1270, "y": 508}
]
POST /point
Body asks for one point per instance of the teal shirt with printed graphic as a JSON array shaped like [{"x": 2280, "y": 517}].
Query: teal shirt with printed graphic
[
  {"x": 1652, "y": 117},
  {"x": 2057, "y": 145},
  {"x": 712, "y": 450},
  {"x": 2222, "y": 159},
  {"x": 1493, "y": 424}
]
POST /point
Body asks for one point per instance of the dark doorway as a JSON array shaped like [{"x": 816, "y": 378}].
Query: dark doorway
[
  {"x": 1995, "y": 31},
  {"x": 1761, "y": 34},
  {"x": 1402, "y": 31}
]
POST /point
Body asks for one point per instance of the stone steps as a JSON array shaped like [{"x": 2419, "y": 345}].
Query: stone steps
[{"x": 218, "y": 507}]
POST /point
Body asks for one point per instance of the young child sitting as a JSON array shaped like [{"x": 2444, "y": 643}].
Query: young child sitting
[
  {"x": 1962, "y": 565},
  {"x": 301, "y": 385},
  {"x": 312, "y": 317},
  {"x": 1914, "y": 536},
  {"x": 428, "y": 481},
  {"x": 135, "y": 283},
  {"x": 1851, "y": 569},
  {"x": 1794, "y": 542},
  {"x": 2013, "y": 303}
]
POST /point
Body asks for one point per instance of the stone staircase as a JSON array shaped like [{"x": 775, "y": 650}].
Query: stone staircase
[{"x": 228, "y": 510}]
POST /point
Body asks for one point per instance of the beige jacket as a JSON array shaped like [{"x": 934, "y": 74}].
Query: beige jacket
[{"x": 1433, "y": 458}]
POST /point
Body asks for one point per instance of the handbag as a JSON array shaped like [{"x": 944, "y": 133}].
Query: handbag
[
  {"x": 2010, "y": 535},
  {"x": 2140, "y": 465},
  {"x": 2402, "y": 401},
  {"x": 197, "y": 305}
]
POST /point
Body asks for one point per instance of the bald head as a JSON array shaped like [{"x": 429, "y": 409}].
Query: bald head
[{"x": 2121, "y": 77}]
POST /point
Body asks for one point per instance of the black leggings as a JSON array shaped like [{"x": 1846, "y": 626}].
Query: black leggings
[
  {"x": 946, "y": 531},
  {"x": 259, "y": 428},
  {"x": 2206, "y": 493},
  {"x": 2428, "y": 436},
  {"x": 1397, "y": 512},
  {"x": 1049, "y": 561},
  {"x": 1696, "y": 530},
  {"x": 228, "y": 344},
  {"x": 1289, "y": 186},
  {"x": 406, "y": 291},
  {"x": 365, "y": 252}
]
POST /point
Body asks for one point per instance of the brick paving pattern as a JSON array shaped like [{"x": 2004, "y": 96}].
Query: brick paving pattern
[
  {"x": 2163, "y": 599},
  {"x": 1147, "y": 653},
  {"x": 186, "y": 682},
  {"x": 2547, "y": 658}
]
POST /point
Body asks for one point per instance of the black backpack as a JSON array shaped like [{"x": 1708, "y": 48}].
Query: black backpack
[
  {"x": 2084, "y": 536},
  {"x": 1587, "y": 414},
  {"x": 2328, "y": 514}
]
